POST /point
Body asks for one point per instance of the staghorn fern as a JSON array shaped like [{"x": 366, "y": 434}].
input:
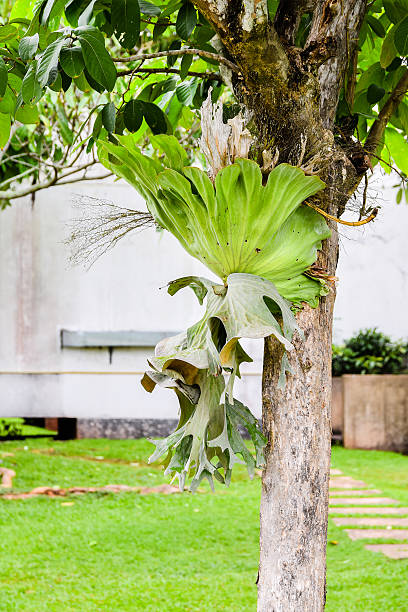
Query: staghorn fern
[{"x": 259, "y": 240}]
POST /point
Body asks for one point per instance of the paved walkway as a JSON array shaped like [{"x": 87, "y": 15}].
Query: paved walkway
[{"x": 355, "y": 497}]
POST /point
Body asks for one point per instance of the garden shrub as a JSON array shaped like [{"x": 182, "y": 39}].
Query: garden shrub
[{"x": 370, "y": 352}]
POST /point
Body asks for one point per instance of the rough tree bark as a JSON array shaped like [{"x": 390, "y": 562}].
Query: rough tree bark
[
  {"x": 294, "y": 505},
  {"x": 292, "y": 94}
]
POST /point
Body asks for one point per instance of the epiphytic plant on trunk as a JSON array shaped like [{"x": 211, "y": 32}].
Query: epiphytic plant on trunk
[
  {"x": 255, "y": 235},
  {"x": 321, "y": 81}
]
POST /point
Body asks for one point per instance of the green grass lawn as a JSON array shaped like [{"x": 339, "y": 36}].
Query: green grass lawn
[{"x": 129, "y": 552}]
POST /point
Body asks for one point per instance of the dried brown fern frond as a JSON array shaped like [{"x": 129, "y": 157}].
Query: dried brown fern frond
[{"x": 222, "y": 143}]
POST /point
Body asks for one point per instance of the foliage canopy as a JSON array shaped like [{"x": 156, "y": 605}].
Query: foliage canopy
[{"x": 73, "y": 72}]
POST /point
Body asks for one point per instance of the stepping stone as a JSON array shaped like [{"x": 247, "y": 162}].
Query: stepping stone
[
  {"x": 334, "y": 472},
  {"x": 393, "y": 551},
  {"x": 363, "y": 501},
  {"x": 344, "y": 482},
  {"x": 358, "y": 492},
  {"x": 390, "y": 534},
  {"x": 371, "y": 522},
  {"x": 369, "y": 510}
]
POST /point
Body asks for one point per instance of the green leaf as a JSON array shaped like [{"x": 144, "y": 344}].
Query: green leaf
[
  {"x": 92, "y": 84},
  {"x": 46, "y": 10},
  {"x": 65, "y": 128},
  {"x": 28, "y": 47},
  {"x": 7, "y": 32},
  {"x": 395, "y": 10},
  {"x": 86, "y": 16},
  {"x": 403, "y": 116},
  {"x": 8, "y": 102},
  {"x": 65, "y": 80},
  {"x": 108, "y": 117},
  {"x": 155, "y": 118},
  {"x": 186, "y": 62},
  {"x": 72, "y": 61},
  {"x": 126, "y": 22},
  {"x": 237, "y": 413},
  {"x": 14, "y": 81},
  {"x": 202, "y": 35},
  {"x": 27, "y": 114},
  {"x": 73, "y": 10},
  {"x": 3, "y": 77},
  {"x": 272, "y": 6},
  {"x": 240, "y": 305},
  {"x": 198, "y": 284},
  {"x": 31, "y": 89},
  {"x": 395, "y": 64},
  {"x": 172, "y": 59},
  {"x": 186, "y": 20},
  {"x": 147, "y": 8},
  {"x": 90, "y": 144},
  {"x": 97, "y": 60},
  {"x": 388, "y": 50},
  {"x": 375, "y": 93},
  {"x": 376, "y": 26},
  {"x": 186, "y": 91},
  {"x": 160, "y": 27},
  {"x": 146, "y": 93},
  {"x": 5, "y": 126},
  {"x": 48, "y": 61},
  {"x": 21, "y": 9},
  {"x": 401, "y": 37},
  {"x": 52, "y": 12},
  {"x": 397, "y": 146},
  {"x": 133, "y": 115},
  {"x": 175, "y": 157},
  {"x": 161, "y": 88},
  {"x": 82, "y": 83},
  {"x": 97, "y": 126}
]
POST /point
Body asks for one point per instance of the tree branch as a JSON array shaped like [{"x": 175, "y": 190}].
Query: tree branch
[
  {"x": 179, "y": 52},
  {"x": 338, "y": 23},
  {"x": 54, "y": 181},
  {"x": 212, "y": 76},
  {"x": 80, "y": 179},
  {"x": 377, "y": 129}
]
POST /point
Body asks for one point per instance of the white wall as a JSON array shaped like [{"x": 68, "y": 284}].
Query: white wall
[
  {"x": 372, "y": 289},
  {"x": 41, "y": 293}
]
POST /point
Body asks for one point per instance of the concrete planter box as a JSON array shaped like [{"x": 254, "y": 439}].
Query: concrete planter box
[{"x": 371, "y": 411}]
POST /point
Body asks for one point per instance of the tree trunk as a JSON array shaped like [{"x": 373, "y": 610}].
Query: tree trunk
[
  {"x": 292, "y": 95},
  {"x": 295, "y": 485}
]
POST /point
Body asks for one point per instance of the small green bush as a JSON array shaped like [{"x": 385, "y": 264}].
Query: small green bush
[
  {"x": 11, "y": 428},
  {"x": 369, "y": 352}
]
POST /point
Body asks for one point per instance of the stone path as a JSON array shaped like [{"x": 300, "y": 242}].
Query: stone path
[
  {"x": 371, "y": 522},
  {"x": 362, "y": 501},
  {"x": 349, "y": 496},
  {"x": 394, "y": 551},
  {"x": 363, "y": 534},
  {"x": 368, "y": 510},
  {"x": 358, "y": 492}
]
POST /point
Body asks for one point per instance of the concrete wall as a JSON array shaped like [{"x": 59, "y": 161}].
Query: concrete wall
[
  {"x": 376, "y": 412},
  {"x": 41, "y": 293},
  {"x": 372, "y": 289}
]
